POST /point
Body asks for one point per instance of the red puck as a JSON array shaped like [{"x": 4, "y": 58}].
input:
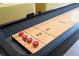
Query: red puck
[
  {"x": 21, "y": 34},
  {"x": 35, "y": 43},
  {"x": 24, "y": 37},
  {"x": 29, "y": 40}
]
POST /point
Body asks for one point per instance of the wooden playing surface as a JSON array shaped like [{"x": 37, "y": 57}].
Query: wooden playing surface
[{"x": 47, "y": 31}]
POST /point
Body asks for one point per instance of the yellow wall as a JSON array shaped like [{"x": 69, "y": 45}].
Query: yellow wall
[
  {"x": 10, "y": 12},
  {"x": 50, "y": 6}
]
